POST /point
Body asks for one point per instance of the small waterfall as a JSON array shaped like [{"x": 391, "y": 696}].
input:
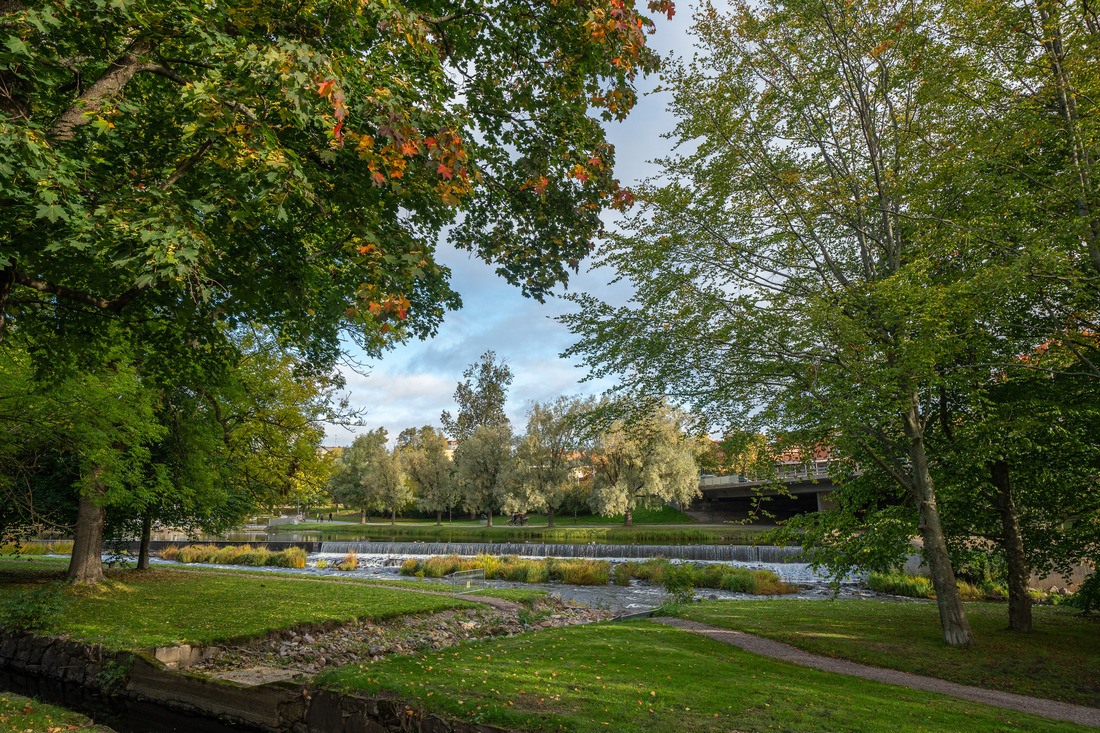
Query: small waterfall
[{"x": 711, "y": 553}]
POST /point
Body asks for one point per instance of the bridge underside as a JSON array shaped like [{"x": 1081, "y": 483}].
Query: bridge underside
[{"x": 737, "y": 501}]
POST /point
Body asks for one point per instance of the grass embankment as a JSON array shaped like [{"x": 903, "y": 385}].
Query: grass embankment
[
  {"x": 134, "y": 610},
  {"x": 659, "y": 515},
  {"x": 37, "y": 547},
  {"x": 1060, "y": 660},
  {"x": 614, "y": 535},
  {"x": 18, "y": 713},
  {"x": 600, "y": 572},
  {"x": 645, "y": 677}
]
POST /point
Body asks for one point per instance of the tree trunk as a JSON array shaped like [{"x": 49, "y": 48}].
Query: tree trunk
[
  {"x": 1012, "y": 542},
  {"x": 549, "y": 518},
  {"x": 363, "y": 515},
  {"x": 393, "y": 516},
  {"x": 628, "y": 518},
  {"x": 86, "y": 563},
  {"x": 439, "y": 518},
  {"x": 146, "y": 536},
  {"x": 956, "y": 628},
  {"x": 490, "y": 516}
]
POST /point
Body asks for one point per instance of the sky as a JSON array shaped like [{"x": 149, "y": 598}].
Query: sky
[{"x": 412, "y": 384}]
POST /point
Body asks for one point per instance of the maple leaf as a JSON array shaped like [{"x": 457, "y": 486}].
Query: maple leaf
[
  {"x": 324, "y": 89},
  {"x": 444, "y": 171}
]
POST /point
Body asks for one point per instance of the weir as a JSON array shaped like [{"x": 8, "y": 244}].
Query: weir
[{"x": 710, "y": 553}]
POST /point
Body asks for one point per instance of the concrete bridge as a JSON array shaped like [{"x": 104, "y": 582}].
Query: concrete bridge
[{"x": 726, "y": 496}]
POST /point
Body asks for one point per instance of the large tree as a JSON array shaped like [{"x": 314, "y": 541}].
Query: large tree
[
  {"x": 483, "y": 469},
  {"x": 480, "y": 396},
  {"x": 548, "y": 454},
  {"x": 206, "y": 163},
  {"x": 643, "y": 457},
  {"x": 818, "y": 263},
  {"x": 423, "y": 456}
]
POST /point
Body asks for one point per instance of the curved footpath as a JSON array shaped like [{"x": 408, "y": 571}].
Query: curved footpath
[{"x": 1052, "y": 709}]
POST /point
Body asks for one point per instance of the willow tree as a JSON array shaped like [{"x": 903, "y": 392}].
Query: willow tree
[
  {"x": 642, "y": 458},
  {"x": 548, "y": 453},
  {"x": 815, "y": 263},
  {"x": 293, "y": 164}
]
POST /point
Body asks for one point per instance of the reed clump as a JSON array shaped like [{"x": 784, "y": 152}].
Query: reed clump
[
  {"x": 35, "y": 547},
  {"x": 246, "y": 555},
  {"x": 599, "y": 572}
]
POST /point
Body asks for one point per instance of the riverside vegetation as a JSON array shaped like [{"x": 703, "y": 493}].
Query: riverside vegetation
[{"x": 600, "y": 572}]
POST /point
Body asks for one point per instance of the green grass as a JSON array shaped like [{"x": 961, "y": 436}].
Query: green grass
[
  {"x": 645, "y": 677},
  {"x": 661, "y": 515},
  {"x": 18, "y": 713},
  {"x": 642, "y": 534},
  {"x": 140, "y": 610},
  {"x": 1060, "y": 660}
]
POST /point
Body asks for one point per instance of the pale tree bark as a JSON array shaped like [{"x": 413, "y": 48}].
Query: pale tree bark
[
  {"x": 86, "y": 563},
  {"x": 106, "y": 87},
  {"x": 1012, "y": 541},
  {"x": 956, "y": 628},
  {"x": 628, "y": 517}
]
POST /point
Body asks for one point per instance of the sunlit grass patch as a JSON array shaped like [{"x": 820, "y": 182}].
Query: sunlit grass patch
[
  {"x": 645, "y": 677},
  {"x": 139, "y": 610},
  {"x": 1060, "y": 660}
]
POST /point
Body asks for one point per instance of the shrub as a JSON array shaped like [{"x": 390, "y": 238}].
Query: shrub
[
  {"x": 171, "y": 552},
  {"x": 582, "y": 572},
  {"x": 679, "y": 582},
  {"x": 1087, "y": 596},
  {"x": 411, "y": 566},
  {"x": 323, "y": 564}
]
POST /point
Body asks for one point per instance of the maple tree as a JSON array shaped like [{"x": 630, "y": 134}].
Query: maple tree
[{"x": 216, "y": 164}]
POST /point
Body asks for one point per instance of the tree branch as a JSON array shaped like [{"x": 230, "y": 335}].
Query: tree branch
[
  {"x": 107, "y": 86},
  {"x": 78, "y": 296}
]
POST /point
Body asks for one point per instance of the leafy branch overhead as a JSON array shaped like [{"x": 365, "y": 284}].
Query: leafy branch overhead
[{"x": 297, "y": 163}]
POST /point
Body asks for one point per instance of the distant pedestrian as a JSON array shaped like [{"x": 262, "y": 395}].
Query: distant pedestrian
[{"x": 330, "y": 516}]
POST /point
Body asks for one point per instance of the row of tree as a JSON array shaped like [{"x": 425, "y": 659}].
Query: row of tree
[
  {"x": 882, "y": 234},
  {"x": 574, "y": 451}
]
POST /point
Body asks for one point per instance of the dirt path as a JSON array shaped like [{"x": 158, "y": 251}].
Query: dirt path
[{"x": 777, "y": 650}]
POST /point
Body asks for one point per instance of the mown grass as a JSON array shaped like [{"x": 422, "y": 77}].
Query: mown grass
[
  {"x": 657, "y": 515},
  {"x": 18, "y": 713},
  {"x": 638, "y": 535},
  {"x": 645, "y": 677},
  {"x": 134, "y": 610},
  {"x": 1060, "y": 660}
]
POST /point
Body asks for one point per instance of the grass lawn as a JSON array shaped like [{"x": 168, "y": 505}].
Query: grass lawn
[
  {"x": 651, "y": 534},
  {"x": 134, "y": 610},
  {"x": 661, "y": 515},
  {"x": 645, "y": 677},
  {"x": 1059, "y": 661},
  {"x": 18, "y": 713}
]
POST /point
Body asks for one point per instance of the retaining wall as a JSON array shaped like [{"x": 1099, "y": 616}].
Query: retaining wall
[{"x": 142, "y": 686}]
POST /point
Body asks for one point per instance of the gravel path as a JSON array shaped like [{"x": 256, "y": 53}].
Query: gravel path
[{"x": 777, "y": 650}]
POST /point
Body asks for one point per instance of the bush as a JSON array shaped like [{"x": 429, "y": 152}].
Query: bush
[
  {"x": 33, "y": 611},
  {"x": 621, "y": 574},
  {"x": 679, "y": 582},
  {"x": 1087, "y": 596}
]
